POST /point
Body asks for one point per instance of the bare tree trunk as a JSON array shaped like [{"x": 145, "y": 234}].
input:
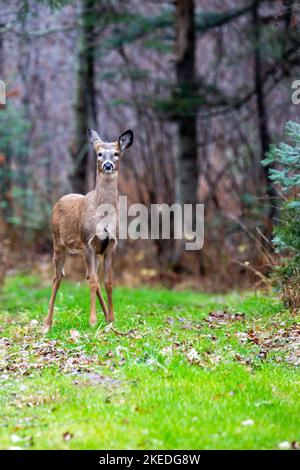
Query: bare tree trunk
[
  {"x": 186, "y": 165},
  {"x": 6, "y": 183},
  {"x": 85, "y": 107},
  {"x": 21, "y": 179},
  {"x": 262, "y": 116},
  {"x": 1, "y": 53}
]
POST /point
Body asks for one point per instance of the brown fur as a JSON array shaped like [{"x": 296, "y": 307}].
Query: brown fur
[{"x": 76, "y": 226}]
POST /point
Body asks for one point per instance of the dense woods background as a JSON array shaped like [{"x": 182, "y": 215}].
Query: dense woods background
[{"x": 206, "y": 87}]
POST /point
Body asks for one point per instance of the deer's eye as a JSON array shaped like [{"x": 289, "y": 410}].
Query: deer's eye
[
  {"x": 116, "y": 154},
  {"x": 100, "y": 154}
]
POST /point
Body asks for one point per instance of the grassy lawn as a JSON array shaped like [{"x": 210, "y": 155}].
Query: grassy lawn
[{"x": 177, "y": 370}]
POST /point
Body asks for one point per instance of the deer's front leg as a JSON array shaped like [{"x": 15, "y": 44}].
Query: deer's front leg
[
  {"x": 108, "y": 281},
  {"x": 91, "y": 261}
]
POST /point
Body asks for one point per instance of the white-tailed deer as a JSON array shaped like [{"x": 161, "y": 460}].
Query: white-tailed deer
[{"x": 78, "y": 225}]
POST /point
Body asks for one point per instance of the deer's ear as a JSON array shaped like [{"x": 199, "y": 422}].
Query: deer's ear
[
  {"x": 93, "y": 136},
  {"x": 125, "y": 140}
]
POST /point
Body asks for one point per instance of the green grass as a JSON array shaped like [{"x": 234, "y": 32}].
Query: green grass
[{"x": 163, "y": 377}]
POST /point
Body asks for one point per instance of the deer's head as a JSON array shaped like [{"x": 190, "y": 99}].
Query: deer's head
[{"x": 109, "y": 153}]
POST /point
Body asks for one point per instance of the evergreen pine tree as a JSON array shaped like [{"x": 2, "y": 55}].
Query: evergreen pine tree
[{"x": 286, "y": 158}]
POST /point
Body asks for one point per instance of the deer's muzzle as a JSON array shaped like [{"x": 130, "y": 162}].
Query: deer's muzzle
[{"x": 108, "y": 167}]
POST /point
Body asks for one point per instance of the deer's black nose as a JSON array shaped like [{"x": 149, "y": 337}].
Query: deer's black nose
[{"x": 108, "y": 166}]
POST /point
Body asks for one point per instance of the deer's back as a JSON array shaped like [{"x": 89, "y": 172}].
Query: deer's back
[{"x": 66, "y": 221}]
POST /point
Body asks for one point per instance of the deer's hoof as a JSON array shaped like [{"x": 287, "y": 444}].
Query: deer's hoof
[
  {"x": 93, "y": 323},
  {"x": 46, "y": 329}
]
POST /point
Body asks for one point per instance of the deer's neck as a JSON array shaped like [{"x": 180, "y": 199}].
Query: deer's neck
[{"x": 106, "y": 189}]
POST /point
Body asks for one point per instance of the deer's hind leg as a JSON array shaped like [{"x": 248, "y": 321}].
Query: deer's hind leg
[{"x": 59, "y": 258}]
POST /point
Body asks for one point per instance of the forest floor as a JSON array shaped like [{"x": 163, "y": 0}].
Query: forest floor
[{"x": 177, "y": 370}]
